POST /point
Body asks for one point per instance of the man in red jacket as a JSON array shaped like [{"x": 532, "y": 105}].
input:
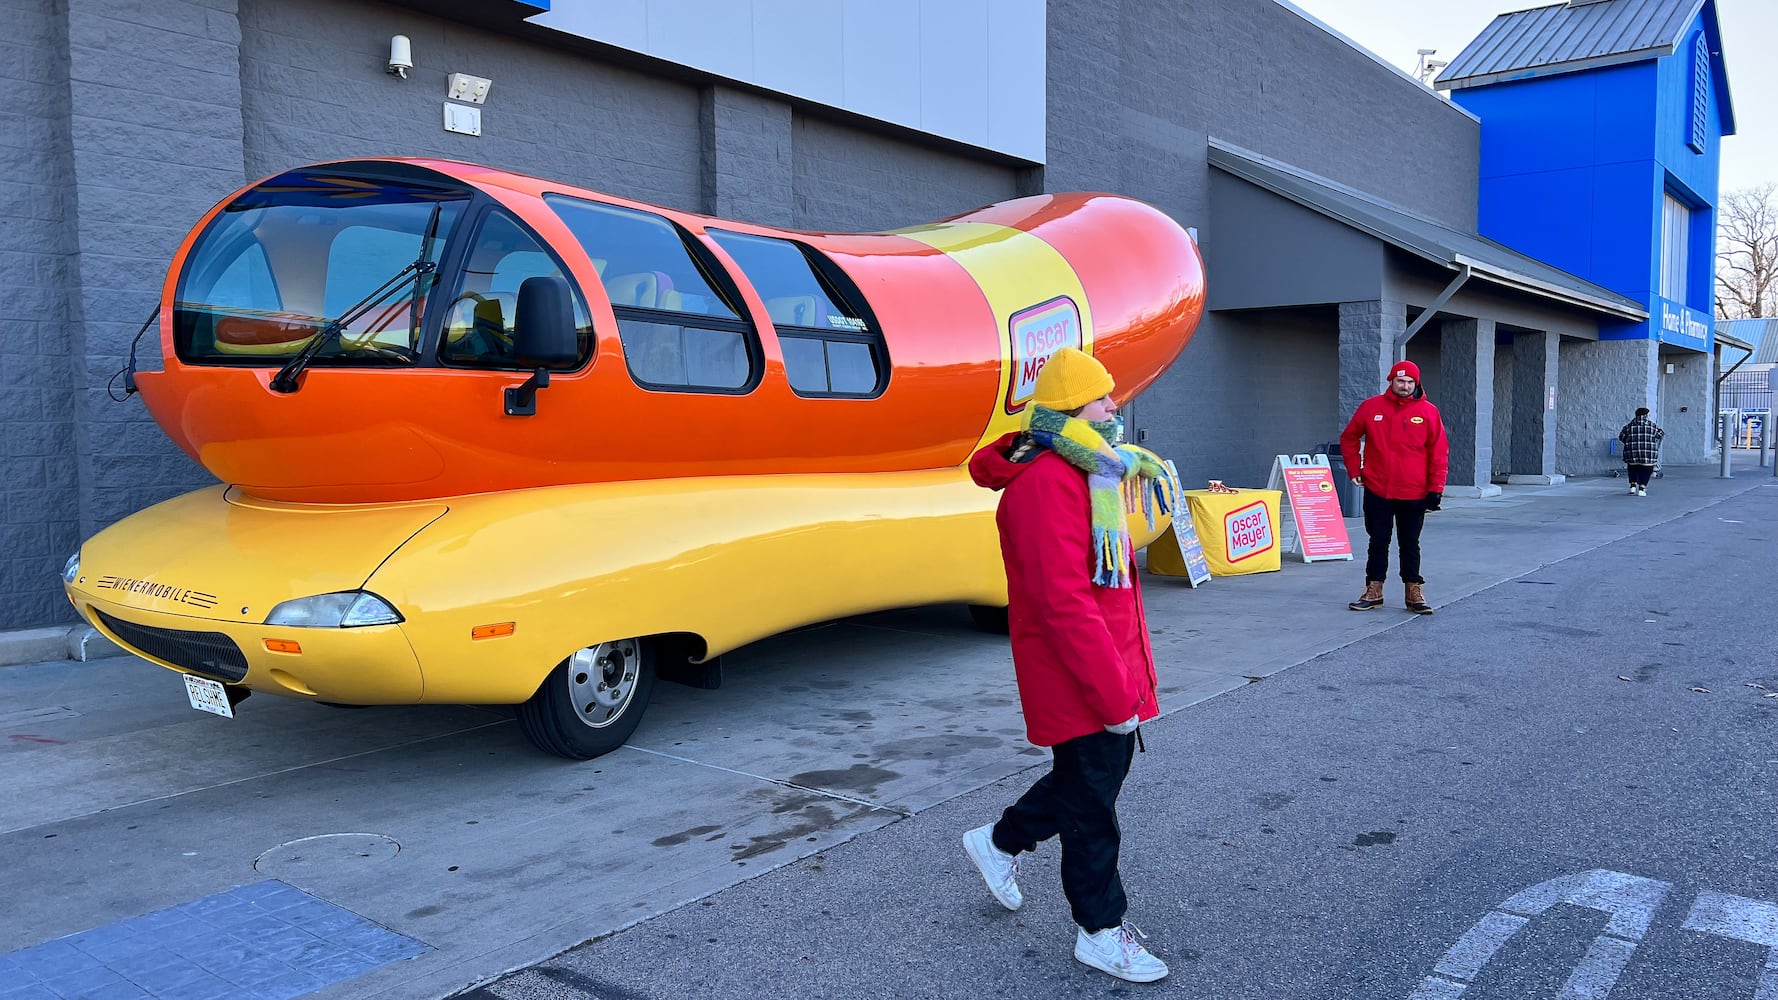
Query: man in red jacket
[
  {"x": 1079, "y": 647},
  {"x": 1402, "y": 470}
]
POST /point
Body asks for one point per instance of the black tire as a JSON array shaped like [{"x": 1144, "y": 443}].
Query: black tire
[
  {"x": 990, "y": 619},
  {"x": 592, "y": 701}
]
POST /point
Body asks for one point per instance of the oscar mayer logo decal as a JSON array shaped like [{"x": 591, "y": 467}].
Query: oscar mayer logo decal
[
  {"x": 1248, "y": 531},
  {"x": 159, "y": 591},
  {"x": 1037, "y": 333}
]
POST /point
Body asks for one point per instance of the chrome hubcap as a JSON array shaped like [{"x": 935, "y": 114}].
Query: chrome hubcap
[{"x": 602, "y": 680}]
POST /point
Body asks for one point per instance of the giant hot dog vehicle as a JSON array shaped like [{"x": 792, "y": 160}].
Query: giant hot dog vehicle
[{"x": 490, "y": 439}]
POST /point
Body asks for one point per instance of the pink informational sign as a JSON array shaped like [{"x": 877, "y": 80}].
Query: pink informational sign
[{"x": 1316, "y": 506}]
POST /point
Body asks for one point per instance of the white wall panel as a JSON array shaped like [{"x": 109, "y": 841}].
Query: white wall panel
[
  {"x": 713, "y": 36},
  {"x": 798, "y": 48},
  {"x": 882, "y": 45},
  {"x": 969, "y": 70},
  {"x": 1017, "y": 55},
  {"x": 954, "y": 54}
]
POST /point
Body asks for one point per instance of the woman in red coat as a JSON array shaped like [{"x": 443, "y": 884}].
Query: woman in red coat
[{"x": 1079, "y": 646}]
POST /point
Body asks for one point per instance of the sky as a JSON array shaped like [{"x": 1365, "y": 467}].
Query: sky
[{"x": 1394, "y": 29}]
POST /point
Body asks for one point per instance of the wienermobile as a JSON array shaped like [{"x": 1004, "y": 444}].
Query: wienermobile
[{"x": 491, "y": 439}]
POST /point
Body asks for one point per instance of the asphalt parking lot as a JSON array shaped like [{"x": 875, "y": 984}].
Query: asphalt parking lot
[{"x": 443, "y": 827}]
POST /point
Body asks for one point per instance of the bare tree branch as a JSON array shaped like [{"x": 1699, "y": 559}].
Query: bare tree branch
[{"x": 1747, "y": 253}]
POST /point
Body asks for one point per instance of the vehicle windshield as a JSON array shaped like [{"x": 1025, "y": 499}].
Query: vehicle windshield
[{"x": 281, "y": 261}]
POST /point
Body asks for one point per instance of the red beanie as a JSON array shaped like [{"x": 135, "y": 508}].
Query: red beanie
[{"x": 1407, "y": 368}]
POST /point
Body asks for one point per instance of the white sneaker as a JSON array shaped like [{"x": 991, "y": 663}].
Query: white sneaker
[
  {"x": 999, "y": 869},
  {"x": 1642, "y": 491},
  {"x": 1116, "y": 950},
  {"x": 1634, "y": 491}
]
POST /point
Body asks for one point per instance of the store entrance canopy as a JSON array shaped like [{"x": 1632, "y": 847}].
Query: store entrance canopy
[{"x": 1334, "y": 251}]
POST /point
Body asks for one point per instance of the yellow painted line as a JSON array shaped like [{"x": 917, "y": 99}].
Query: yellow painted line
[{"x": 1015, "y": 271}]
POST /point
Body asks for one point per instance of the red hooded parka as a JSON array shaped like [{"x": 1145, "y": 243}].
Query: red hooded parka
[
  {"x": 1081, "y": 651},
  {"x": 1405, "y": 451}
]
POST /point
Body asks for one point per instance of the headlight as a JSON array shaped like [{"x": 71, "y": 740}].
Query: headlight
[
  {"x": 348, "y": 609},
  {"x": 71, "y": 571}
]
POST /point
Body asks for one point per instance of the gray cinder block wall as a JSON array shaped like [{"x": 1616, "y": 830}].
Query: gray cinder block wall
[
  {"x": 1603, "y": 382},
  {"x": 1687, "y": 410},
  {"x": 132, "y": 123},
  {"x": 1137, "y": 87},
  {"x": 40, "y": 369},
  {"x": 1503, "y": 407}
]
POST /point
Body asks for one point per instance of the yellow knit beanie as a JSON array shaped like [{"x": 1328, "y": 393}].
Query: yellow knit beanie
[{"x": 1070, "y": 379}]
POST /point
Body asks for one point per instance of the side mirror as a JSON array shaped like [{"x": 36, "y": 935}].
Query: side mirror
[{"x": 543, "y": 334}]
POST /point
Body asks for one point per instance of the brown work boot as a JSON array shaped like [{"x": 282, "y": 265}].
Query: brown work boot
[
  {"x": 1416, "y": 599},
  {"x": 1372, "y": 599}
]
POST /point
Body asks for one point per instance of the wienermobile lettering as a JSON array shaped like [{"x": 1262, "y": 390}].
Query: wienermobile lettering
[{"x": 494, "y": 439}]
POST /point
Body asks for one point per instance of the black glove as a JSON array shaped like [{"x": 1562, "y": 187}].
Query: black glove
[{"x": 1433, "y": 500}]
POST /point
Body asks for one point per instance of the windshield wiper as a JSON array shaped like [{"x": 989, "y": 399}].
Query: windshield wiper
[{"x": 416, "y": 272}]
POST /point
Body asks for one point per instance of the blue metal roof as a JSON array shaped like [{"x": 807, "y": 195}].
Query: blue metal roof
[
  {"x": 1761, "y": 333},
  {"x": 1585, "y": 34}
]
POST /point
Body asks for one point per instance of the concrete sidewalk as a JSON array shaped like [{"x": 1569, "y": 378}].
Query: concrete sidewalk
[{"x": 494, "y": 858}]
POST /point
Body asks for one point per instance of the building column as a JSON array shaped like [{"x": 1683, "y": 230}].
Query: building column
[
  {"x": 1536, "y": 357},
  {"x": 1466, "y": 401},
  {"x": 1368, "y": 331},
  {"x": 746, "y": 158}
]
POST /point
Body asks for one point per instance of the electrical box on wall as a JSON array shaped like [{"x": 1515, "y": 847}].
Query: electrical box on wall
[
  {"x": 463, "y": 87},
  {"x": 463, "y": 119},
  {"x": 1669, "y": 369}
]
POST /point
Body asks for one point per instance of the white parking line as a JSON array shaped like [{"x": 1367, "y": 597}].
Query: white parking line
[
  {"x": 1742, "y": 919},
  {"x": 1630, "y": 899}
]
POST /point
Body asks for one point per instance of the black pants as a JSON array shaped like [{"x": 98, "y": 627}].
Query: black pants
[
  {"x": 1077, "y": 801},
  {"x": 1640, "y": 474},
  {"x": 1406, "y": 517}
]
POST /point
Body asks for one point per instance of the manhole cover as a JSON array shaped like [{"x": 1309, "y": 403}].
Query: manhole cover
[{"x": 327, "y": 850}]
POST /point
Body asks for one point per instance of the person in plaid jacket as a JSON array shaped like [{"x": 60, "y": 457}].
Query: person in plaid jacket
[{"x": 1642, "y": 449}]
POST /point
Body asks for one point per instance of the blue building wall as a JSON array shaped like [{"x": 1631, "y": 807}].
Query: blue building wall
[{"x": 1574, "y": 167}]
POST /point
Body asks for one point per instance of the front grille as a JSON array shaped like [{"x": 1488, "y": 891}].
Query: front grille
[{"x": 209, "y": 653}]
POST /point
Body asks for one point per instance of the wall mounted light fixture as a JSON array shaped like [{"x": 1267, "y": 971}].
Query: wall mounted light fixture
[{"x": 401, "y": 56}]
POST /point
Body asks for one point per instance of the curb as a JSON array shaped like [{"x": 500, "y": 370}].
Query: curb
[{"x": 62, "y": 642}]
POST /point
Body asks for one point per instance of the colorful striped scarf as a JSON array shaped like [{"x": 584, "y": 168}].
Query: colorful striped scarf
[{"x": 1109, "y": 467}]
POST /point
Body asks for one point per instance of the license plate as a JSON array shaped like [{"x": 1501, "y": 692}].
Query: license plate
[{"x": 208, "y": 696}]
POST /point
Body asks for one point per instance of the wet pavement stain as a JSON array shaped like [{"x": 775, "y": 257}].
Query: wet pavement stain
[
  {"x": 862, "y": 778},
  {"x": 683, "y": 836},
  {"x": 815, "y": 819},
  {"x": 1373, "y": 838}
]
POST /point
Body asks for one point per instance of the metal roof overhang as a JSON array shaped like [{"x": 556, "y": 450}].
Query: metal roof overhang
[{"x": 1429, "y": 240}]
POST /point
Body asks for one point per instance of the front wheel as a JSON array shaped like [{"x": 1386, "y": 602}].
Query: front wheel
[
  {"x": 990, "y": 619},
  {"x": 591, "y": 702}
]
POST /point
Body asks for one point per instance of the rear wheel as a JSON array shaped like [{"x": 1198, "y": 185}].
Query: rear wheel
[{"x": 591, "y": 702}]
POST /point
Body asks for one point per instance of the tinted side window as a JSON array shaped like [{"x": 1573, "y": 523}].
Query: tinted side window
[
  {"x": 830, "y": 346},
  {"x": 478, "y": 326},
  {"x": 676, "y": 312}
]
